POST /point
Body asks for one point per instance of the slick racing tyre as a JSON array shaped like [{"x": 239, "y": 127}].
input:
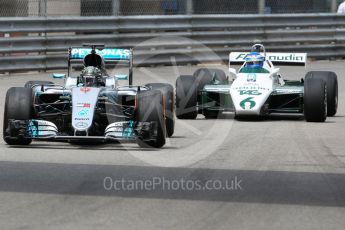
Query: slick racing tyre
[
  {"x": 211, "y": 114},
  {"x": 186, "y": 97},
  {"x": 331, "y": 80},
  {"x": 18, "y": 106},
  {"x": 169, "y": 102},
  {"x": 29, "y": 84},
  {"x": 205, "y": 75},
  {"x": 150, "y": 109},
  {"x": 315, "y": 100}
]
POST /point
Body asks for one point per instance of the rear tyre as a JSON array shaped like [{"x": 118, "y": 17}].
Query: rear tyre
[
  {"x": 150, "y": 109},
  {"x": 331, "y": 80},
  {"x": 18, "y": 106},
  {"x": 29, "y": 84},
  {"x": 168, "y": 94},
  {"x": 186, "y": 97},
  {"x": 315, "y": 100}
]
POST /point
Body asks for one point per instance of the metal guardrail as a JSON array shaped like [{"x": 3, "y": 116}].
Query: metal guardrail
[{"x": 41, "y": 43}]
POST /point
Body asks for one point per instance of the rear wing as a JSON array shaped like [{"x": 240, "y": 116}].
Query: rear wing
[
  {"x": 279, "y": 58},
  {"x": 110, "y": 54}
]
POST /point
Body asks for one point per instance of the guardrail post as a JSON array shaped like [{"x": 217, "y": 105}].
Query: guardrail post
[
  {"x": 261, "y": 6},
  {"x": 42, "y": 8},
  {"x": 189, "y": 7},
  {"x": 334, "y": 6},
  {"x": 116, "y": 7}
]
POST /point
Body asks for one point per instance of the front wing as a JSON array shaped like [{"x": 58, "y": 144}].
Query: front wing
[{"x": 125, "y": 131}]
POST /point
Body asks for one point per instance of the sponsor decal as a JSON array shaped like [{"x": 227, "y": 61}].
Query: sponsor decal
[
  {"x": 277, "y": 57},
  {"x": 251, "y": 77},
  {"x": 83, "y": 112},
  {"x": 107, "y": 53},
  {"x": 289, "y": 91},
  {"x": 248, "y": 103},
  {"x": 81, "y": 119},
  {"x": 250, "y": 92},
  {"x": 81, "y": 125},
  {"x": 85, "y": 89},
  {"x": 254, "y": 87},
  {"x": 84, "y": 105}
]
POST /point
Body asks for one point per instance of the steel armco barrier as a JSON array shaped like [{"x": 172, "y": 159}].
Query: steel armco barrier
[{"x": 41, "y": 43}]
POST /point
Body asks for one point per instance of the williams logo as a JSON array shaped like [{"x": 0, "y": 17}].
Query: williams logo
[{"x": 251, "y": 77}]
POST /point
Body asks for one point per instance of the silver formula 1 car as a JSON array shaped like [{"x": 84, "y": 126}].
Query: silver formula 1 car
[
  {"x": 258, "y": 89},
  {"x": 91, "y": 106}
]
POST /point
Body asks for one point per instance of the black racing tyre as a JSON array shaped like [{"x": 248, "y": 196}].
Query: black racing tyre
[
  {"x": 18, "y": 106},
  {"x": 331, "y": 80},
  {"x": 169, "y": 103},
  {"x": 211, "y": 114},
  {"x": 150, "y": 109},
  {"x": 205, "y": 75},
  {"x": 29, "y": 84},
  {"x": 315, "y": 100},
  {"x": 186, "y": 97}
]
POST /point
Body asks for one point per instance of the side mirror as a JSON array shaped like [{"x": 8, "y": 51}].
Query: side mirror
[
  {"x": 233, "y": 71},
  {"x": 59, "y": 75},
  {"x": 121, "y": 77}
]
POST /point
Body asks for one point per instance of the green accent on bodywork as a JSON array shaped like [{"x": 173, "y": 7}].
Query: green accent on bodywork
[
  {"x": 206, "y": 99},
  {"x": 206, "y": 102},
  {"x": 253, "y": 70},
  {"x": 293, "y": 83},
  {"x": 286, "y": 103},
  {"x": 246, "y": 101},
  {"x": 250, "y": 92}
]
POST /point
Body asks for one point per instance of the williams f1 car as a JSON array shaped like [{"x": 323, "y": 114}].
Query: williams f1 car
[
  {"x": 91, "y": 106},
  {"x": 258, "y": 89}
]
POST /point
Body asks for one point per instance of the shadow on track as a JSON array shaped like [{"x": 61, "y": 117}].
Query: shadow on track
[{"x": 270, "y": 187}]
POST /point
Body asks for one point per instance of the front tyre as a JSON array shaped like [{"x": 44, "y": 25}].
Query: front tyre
[
  {"x": 331, "y": 80},
  {"x": 315, "y": 100},
  {"x": 18, "y": 106},
  {"x": 211, "y": 114},
  {"x": 150, "y": 109},
  {"x": 169, "y": 102}
]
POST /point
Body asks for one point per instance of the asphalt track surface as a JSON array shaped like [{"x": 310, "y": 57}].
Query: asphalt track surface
[{"x": 286, "y": 174}]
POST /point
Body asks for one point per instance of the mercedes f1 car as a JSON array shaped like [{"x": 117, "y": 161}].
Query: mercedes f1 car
[
  {"x": 91, "y": 106},
  {"x": 258, "y": 89}
]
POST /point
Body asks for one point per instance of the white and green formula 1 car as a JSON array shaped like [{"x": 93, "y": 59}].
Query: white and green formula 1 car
[{"x": 258, "y": 89}]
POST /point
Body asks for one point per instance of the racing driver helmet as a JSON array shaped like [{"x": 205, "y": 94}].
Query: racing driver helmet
[
  {"x": 254, "y": 60},
  {"x": 92, "y": 76}
]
